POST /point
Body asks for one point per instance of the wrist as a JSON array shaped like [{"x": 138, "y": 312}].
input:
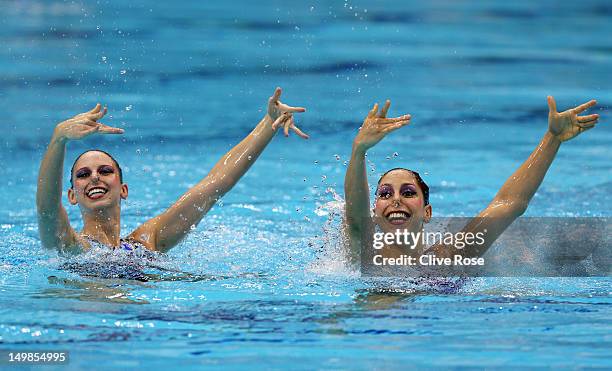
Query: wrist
[
  {"x": 359, "y": 148},
  {"x": 58, "y": 138},
  {"x": 552, "y": 138},
  {"x": 267, "y": 120}
]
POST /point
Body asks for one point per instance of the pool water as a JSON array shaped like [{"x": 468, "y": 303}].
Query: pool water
[{"x": 260, "y": 283}]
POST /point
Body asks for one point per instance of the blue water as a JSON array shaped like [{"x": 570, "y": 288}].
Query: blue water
[{"x": 260, "y": 283}]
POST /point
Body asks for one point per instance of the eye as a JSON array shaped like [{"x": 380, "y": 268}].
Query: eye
[
  {"x": 408, "y": 192},
  {"x": 385, "y": 193},
  {"x": 82, "y": 173},
  {"x": 105, "y": 170}
]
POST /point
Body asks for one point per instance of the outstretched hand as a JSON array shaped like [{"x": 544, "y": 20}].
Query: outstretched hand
[
  {"x": 85, "y": 124},
  {"x": 567, "y": 124},
  {"x": 376, "y": 126},
  {"x": 282, "y": 114}
]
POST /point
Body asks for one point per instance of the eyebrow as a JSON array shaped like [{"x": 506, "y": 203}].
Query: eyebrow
[{"x": 87, "y": 168}]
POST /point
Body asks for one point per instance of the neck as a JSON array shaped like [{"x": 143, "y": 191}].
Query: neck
[
  {"x": 395, "y": 251},
  {"x": 407, "y": 242},
  {"x": 103, "y": 225}
]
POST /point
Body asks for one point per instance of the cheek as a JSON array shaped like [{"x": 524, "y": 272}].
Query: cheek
[
  {"x": 79, "y": 185},
  {"x": 112, "y": 180},
  {"x": 415, "y": 203},
  {"x": 379, "y": 206}
]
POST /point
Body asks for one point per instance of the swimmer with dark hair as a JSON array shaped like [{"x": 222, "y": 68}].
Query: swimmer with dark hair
[
  {"x": 97, "y": 186},
  {"x": 402, "y": 197}
]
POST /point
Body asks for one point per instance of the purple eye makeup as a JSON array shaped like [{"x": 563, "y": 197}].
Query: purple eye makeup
[
  {"x": 385, "y": 191},
  {"x": 408, "y": 190},
  {"x": 106, "y": 169},
  {"x": 82, "y": 173}
]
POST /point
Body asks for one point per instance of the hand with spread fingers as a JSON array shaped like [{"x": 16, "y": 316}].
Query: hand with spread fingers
[
  {"x": 567, "y": 124},
  {"x": 282, "y": 115},
  {"x": 85, "y": 124},
  {"x": 376, "y": 126}
]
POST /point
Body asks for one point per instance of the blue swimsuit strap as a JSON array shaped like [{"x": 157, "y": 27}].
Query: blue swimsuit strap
[
  {"x": 128, "y": 245},
  {"x": 124, "y": 244}
]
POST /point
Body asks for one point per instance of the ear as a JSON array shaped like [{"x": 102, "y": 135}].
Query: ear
[
  {"x": 124, "y": 191},
  {"x": 72, "y": 196},
  {"x": 427, "y": 216}
]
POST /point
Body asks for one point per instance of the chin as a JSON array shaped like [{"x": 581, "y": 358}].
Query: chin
[
  {"x": 99, "y": 204},
  {"x": 392, "y": 228}
]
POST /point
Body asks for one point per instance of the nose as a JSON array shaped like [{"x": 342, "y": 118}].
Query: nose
[
  {"x": 95, "y": 177},
  {"x": 396, "y": 199}
]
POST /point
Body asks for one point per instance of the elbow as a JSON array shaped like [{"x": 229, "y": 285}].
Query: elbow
[
  {"x": 518, "y": 208},
  {"x": 505, "y": 207}
]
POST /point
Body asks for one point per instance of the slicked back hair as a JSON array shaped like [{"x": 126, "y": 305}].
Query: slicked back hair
[
  {"x": 96, "y": 150},
  {"x": 420, "y": 181}
]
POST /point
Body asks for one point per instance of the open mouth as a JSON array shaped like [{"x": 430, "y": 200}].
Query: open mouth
[
  {"x": 398, "y": 217},
  {"x": 96, "y": 192}
]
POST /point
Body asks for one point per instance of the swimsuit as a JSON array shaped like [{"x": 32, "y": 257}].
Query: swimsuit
[{"x": 128, "y": 245}]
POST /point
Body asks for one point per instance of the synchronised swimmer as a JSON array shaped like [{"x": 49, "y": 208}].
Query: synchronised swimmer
[{"x": 393, "y": 225}]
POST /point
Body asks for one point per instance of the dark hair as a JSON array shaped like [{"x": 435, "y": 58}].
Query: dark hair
[
  {"x": 95, "y": 150},
  {"x": 420, "y": 181}
]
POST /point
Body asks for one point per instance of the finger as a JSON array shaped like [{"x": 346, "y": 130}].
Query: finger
[
  {"x": 552, "y": 105},
  {"x": 287, "y": 108},
  {"x": 277, "y": 93},
  {"x": 279, "y": 121},
  {"x": 588, "y": 125},
  {"x": 585, "y": 106},
  {"x": 86, "y": 121},
  {"x": 373, "y": 111},
  {"x": 385, "y": 109},
  {"x": 96, "y": 108},
  {"x": 299, "y": 132},
  {"x": 99, "y": 115},
  {"x": 395, "y": 126},
  {"x": 395, "y": 119},
  {"x": 91, "y": 130},
  {"x": 288, "y": 124},
  {"x": 104, "y": 129},
  {"x": 587, "y": 118}
]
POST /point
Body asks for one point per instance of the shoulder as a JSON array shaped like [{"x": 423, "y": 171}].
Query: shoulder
[{"x": 145, "y": 236}]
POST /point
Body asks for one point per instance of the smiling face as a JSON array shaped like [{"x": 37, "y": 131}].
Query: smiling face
[
  {"x": 400, "y": 203},
  {"x": 96, "y": 182}
]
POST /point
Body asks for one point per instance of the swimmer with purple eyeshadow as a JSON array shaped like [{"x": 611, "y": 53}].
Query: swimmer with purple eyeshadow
[
  {"x": 97, "y": 186},
  {"x": 402, "y": 197}
]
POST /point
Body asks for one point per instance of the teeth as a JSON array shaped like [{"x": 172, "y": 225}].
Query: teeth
[
  {"x": 95, "y": 191},
  {"x": 397, "y": 215}
]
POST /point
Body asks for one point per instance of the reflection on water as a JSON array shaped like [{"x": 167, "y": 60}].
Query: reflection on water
[{"x": 89, "y": 291}]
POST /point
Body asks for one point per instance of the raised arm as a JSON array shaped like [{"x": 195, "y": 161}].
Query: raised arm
[
  {"x": 167, "y": 229},
  {"x": 53, "y": 224},
  {"x": 513, "y": 198},
  {"x": 356, "y": 190}
]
